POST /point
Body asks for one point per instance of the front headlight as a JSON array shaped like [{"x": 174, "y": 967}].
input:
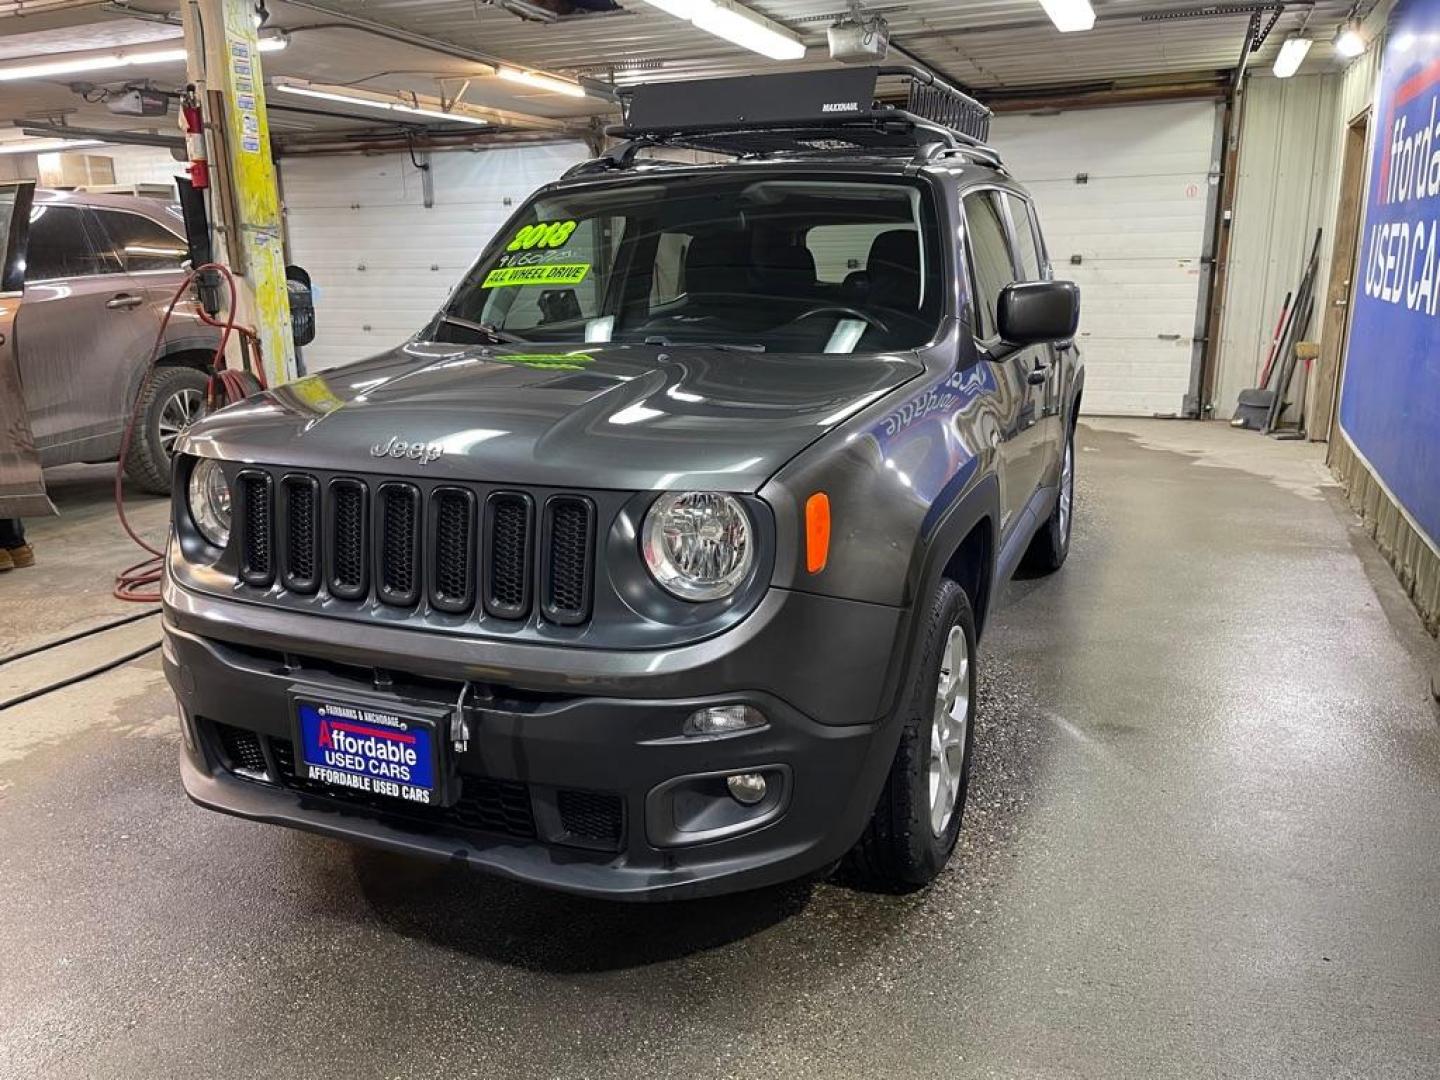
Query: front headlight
[
  {"x": 698, "y": 544},
  {"x": 210, "y": 502}
]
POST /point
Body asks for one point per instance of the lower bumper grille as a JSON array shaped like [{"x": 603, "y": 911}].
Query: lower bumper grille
[
  {"x": 594, "y": 816},
  {"x": 485, "y": 805}
]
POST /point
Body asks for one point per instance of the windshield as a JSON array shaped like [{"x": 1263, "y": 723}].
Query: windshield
[{"x": 777, "y": 264}]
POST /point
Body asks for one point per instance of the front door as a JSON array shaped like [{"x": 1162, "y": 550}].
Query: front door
[
  {"x": 22, "y": 486},
  {"x": 85, "y": 326},
  {"x": 1021, "y": 430}
]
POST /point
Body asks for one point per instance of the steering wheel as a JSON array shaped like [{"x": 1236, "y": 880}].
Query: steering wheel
[{"x": 845, "y": 311}]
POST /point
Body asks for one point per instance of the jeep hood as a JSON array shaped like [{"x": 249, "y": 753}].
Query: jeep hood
[{"x": 631, "y": 417}]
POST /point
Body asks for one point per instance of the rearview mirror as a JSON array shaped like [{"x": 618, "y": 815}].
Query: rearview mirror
[{"x": 1038, "y": 312}]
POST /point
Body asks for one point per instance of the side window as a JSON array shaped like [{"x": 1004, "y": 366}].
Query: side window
[
  {"x": 991, "y": 264},
  {"x": 1032, "y": 260},
  {"x": 139, "y": 243},
  {"x": 60, "y": 246}
]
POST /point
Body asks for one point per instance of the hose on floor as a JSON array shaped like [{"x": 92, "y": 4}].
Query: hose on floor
[{"x": 140, "y": 582}]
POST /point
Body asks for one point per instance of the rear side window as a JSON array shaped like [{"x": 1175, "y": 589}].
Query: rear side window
[
  {"x": 141, "y": 244},
  {"x": 990, "y": 258},
  {"x": 1032, "y": 260},
  {"x": 60, "y": 246}
]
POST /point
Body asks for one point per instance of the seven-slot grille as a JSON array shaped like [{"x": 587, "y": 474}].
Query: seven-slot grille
[{"x": 391, "y": 541}]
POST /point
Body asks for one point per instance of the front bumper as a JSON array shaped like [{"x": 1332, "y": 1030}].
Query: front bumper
[{"x": 646, "y": 795}]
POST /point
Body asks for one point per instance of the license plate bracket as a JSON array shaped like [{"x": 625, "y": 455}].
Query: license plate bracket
[{"x": 371, "y": 745}]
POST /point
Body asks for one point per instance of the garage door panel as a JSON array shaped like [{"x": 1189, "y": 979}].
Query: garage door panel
[
  {"x": 1143, "y": 140},
  {"x": 1138, "y": 226},
  {"x": 315, "y": 182},
  {"x": 345, "y": 213}
]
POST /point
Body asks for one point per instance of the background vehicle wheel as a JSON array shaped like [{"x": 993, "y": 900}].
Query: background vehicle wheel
[
  {"x": 916, "y": 822},
  {"x": 1051, "y": 545},
  {"x": 173, "y": 400}
]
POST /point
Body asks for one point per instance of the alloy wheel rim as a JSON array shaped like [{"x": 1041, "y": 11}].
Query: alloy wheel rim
[
  {"x": 1067, "y": 488},
  {"x": 182, "y": 410},
  {"x": 948, "y": 731}
]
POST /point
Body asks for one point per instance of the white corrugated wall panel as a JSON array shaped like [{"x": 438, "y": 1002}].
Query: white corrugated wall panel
[
  {"x": 1137, "y": 225},
  {"x": 382, "y": 262},
  {"x": 1282, "y": 195}
]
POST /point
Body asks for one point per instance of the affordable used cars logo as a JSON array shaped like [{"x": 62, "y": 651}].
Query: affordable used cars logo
[{"x": 1402, "y": 247}]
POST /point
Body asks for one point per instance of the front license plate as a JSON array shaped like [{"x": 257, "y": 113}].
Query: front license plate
[{"x": 367, "y": 749}]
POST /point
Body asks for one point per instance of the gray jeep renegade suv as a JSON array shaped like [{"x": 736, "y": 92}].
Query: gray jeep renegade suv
[{"x": 654, "y": 566}]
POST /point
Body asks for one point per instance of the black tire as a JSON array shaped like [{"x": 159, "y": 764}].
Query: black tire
[
  {"x": 169, "y": 389},
  {"x": 1051, "y": 545},
  {"x": 900, "y": 849}
]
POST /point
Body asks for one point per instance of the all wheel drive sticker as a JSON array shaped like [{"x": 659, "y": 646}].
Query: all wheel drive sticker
[
  {"x": 367, "y": 750},
  {"x": 536, "y": 256}
]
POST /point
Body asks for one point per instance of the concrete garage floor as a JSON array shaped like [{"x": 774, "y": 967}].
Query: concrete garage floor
[{"x": 1202, "y": 841}]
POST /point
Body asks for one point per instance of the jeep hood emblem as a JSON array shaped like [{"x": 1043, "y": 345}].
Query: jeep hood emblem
[{"x": 397, "y": 447}]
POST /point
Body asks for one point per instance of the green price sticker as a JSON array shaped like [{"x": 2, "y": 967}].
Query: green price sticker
[
  {"x": 543, "y": 234},
  {"x": 552, "y": 274}
]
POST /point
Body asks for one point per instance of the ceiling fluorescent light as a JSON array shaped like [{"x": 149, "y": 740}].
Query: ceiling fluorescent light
[
  {"x": 542, "y": 82},
  {"x": 1292, "y": 54},
  {"x": 40, "y": 146},
  {"x": 379, "y": 103},
  {"x": 1349, "y": 42},
  {"x": 1069, "y": 15},
  {"x": 738, "y": 25},
  {"x": 93, "y": 62},
  {"x": 748, "y": 29},
  {"x": 273, "y": 42}
]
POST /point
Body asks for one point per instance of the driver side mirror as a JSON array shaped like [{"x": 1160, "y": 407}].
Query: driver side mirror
[{"x": 1038, "y": 312}]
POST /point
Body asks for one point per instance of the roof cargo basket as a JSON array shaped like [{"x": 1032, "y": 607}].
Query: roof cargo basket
[{"x": 805, "y": 113}]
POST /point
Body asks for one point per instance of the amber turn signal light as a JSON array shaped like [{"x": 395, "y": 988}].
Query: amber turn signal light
[{"x": 817, "y": 532}]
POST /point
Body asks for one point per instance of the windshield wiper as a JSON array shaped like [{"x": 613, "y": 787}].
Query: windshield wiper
[
  {"x": 722, "y": 346},
  {"x": 494, "y": 333}
]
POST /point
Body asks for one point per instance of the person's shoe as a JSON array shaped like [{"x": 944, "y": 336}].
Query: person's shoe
[
  {"x": 21, "y": 556},
  {"x": 6, "y": 563}
]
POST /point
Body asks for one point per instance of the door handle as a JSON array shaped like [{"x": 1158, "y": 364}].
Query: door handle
[
  {"x": 1038, "y": 374},
  {"x": 121, "y": 301}
]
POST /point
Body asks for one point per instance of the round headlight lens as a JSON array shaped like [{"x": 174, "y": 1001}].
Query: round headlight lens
[
  {"x": 210, "y": 502},
  {"x": 698, "y": 544}
]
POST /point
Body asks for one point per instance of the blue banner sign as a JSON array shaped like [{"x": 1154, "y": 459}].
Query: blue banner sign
[{"x": 1390, "y": 400}]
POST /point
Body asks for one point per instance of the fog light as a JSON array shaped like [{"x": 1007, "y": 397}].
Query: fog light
[
  {"x": 747, "y": 788},
  {"x": 723, "y": 719}
]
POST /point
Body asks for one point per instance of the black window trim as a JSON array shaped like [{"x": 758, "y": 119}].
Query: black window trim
[{"x": 1047, "y": 272}]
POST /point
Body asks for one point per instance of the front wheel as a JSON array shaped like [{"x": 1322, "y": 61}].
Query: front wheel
[
  {"x": 917, "y": 820},
  {"x": 174, "y": 398},
  {"x": 1052, "y": 543}
]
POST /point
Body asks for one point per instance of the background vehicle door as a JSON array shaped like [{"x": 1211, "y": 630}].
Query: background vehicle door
[
  {"x": 22, "y": 485},
  {"x": 993, "y": 265},
  {"x": 82, "y": 331},
  {"x": 1035, "y": 266},
  {"x": 154, "y": 257}
]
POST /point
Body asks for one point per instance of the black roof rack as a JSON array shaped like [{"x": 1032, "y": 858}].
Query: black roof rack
[{"x": 807, "y": 113}]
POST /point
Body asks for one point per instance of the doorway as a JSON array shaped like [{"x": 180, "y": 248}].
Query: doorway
[{"x": 1335, "y": 322}]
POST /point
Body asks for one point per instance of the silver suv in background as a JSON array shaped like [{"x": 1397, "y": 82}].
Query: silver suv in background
[{"x": 100, "y": 271}]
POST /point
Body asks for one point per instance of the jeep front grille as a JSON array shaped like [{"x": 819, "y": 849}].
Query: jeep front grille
[
  {"x": 257, "y": 563},
  {"x": 398, "y": 541},
  {"x": 302, "y": 534},
  {"x": 507, "y": 564},
  {"x": 456, "y": 550}
]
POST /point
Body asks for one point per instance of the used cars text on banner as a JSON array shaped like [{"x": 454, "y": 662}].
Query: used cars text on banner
[{"x": 1390, "y": 400}]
